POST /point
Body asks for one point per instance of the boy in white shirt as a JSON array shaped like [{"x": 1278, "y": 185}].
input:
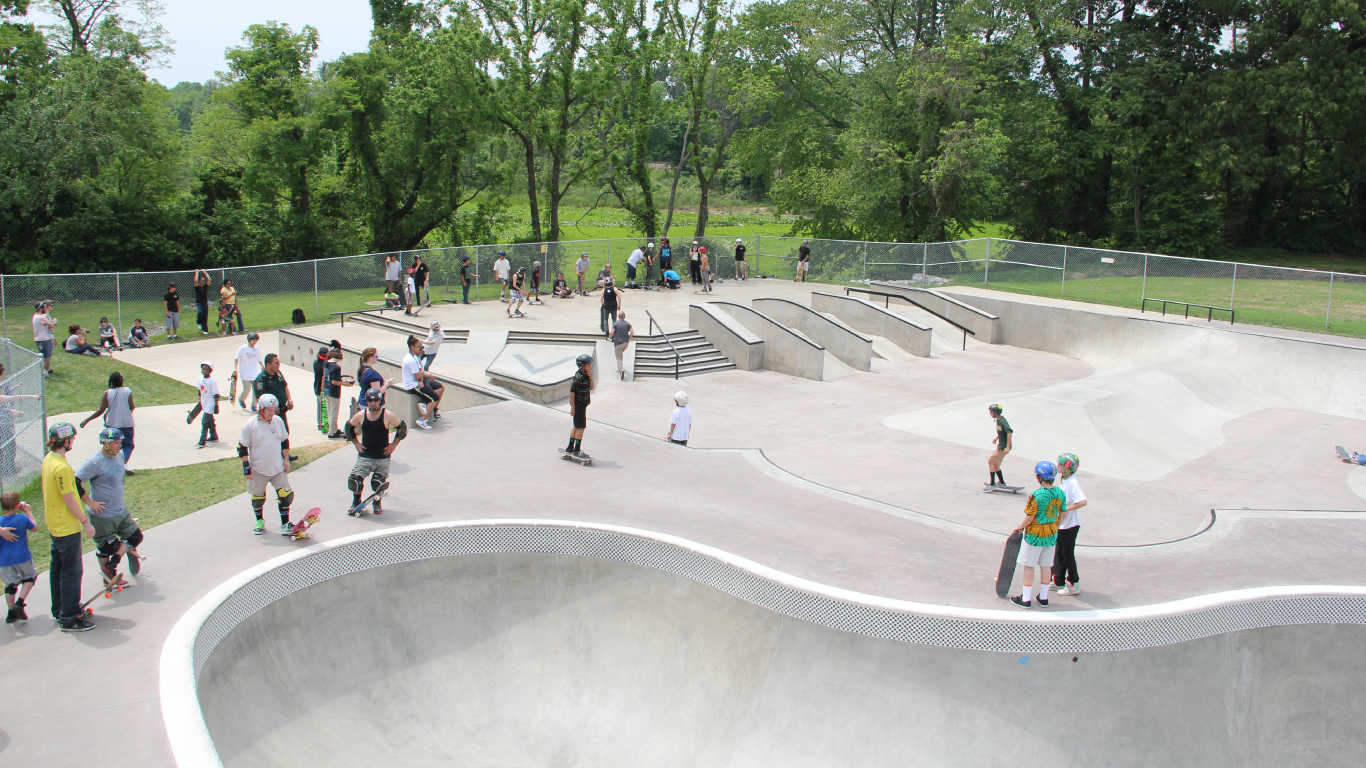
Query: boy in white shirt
[
  {"x": 680, "y": 423},
  {"x": 411, "y": 298},
  {"x": 500, "y": 270},
  {"x": 431, "y": 345},
  {"x": 1065, "y": 559},
  {"x": 247, "y": 365},
  {"x": 208, "y": 403}
]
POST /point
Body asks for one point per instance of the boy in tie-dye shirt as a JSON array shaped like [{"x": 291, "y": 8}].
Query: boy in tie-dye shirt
[{"x": 1040, "y": 527}]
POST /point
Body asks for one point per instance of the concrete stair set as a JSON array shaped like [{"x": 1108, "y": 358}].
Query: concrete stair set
[{"x": 655, "y": 359}]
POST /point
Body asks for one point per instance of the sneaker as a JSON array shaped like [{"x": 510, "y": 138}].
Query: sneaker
[
  {"x": 109, "y": 572},
  {"x": 1020, "y": 601},
  {"x": 518, "y": 313},
  {"x": 259, "y": 528},
  {"x": 10, "y": 618},
  {"x": 1043, "y": 602},
  {"x": 1070, "y": 590},
  {"x": 19, "y": 613},
  {"x": 79, "y": 625},
  {"x": 199, "y": 444},
  {"x": 375, "y": 508},
  {"x": 293, "y": 458},
  {"x": 286, "y": 529},
  {"x": 423, "y": 424}
]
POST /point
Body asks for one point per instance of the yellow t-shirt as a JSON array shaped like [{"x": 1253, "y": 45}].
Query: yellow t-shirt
[{"x": 58, "y": 479}]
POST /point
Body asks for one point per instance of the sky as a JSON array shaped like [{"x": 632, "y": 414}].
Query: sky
[{"x": 203, "y": 30}]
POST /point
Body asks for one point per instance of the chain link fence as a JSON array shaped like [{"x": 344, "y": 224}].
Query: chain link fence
[
  {"x": 23, "y": 416},
  {"x": 269, "y": 295}
]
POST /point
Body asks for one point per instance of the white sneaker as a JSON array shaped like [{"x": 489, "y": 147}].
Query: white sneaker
[
  {"x": 1070, "y": 590},
  {"x": 423, "y": 424}
]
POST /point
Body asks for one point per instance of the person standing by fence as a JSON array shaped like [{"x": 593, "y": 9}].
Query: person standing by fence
[
  {"x": 171, "y": 303},
  {"x": 466, "y": 275},
  {"x": 803, "y": 261},
  {"x": 420, "y": 274},
  {"x": 704, "y": 269},
  {"x": 227, "y": 297},
  {"x": 695, "y": 264},
  {"x": 581, "y": 267},
  {"x": 116, "y": 406},
  {"x": 392, "y": 281},
  {"x": 201, "y": 300},
  {"x": 44, "y": 333},
  {"x": 741, "y": 266}
]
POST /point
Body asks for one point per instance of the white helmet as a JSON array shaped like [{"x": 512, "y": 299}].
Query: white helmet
[
  {"x": 738, "y": 241},
  {"x": 267, "y": 401},
  {"x": 650, "y": 245},
  {"x": 681, "y": 398}
]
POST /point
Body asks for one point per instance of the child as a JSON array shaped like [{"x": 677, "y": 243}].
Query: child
[
  {"x": 138, "y": 336},
  {"x": 1040, "y": 527},
  {"x": 561, "y": 288},
  {"x": 680, "y": 422},
  {"x": 672, "y": 279},
  {"x": 412, "y": 291},
  {"x": 109, "y": 336},
  {"x": 1065, "y": 561},
  {"x": 1004, "y": 438},
  {"x": 580, "y": 395},
  {"x": 16, "y": 561}
]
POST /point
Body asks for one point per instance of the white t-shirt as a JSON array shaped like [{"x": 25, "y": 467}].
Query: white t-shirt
[
  {"x": 500, "y": 268},
  {"x": 42, "y": 327},
  {"x": 682, "y": 421},
  {"x": 263, "y": 445},
  {"x": 581, "y": 266},
  {"x": 432, "y": 344},
  {"x": 1072, "y": 488},
  {"x": 391, "y": 269},
  {"x": 635, "y": 257},
  {"x": 411, "y": 366},
  {"x": 249, "y": 362},
  {"x": 412, "y": 285},
  {"x": 208, "y": 393}
]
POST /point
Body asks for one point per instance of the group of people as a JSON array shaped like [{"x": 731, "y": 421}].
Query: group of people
[
  {"x": 1051, "y": 523},
  {"x": 403, "y": 288}
]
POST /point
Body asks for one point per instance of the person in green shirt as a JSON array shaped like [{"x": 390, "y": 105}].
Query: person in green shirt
[
  {"x": 1040, "y": 528},
  {"x": 1003, "y": 441},
  {"x": 66, "y": 521}
]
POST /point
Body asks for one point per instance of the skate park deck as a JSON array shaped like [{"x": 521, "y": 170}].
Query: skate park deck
[{"x": 803, "y": 477}]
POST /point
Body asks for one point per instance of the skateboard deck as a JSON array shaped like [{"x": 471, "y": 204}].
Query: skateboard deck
[
  {"x": 232, "y": 387},
  {"x": 1344, "y": 455},
  {"x": 116, "y": 585},
  {"x": 323, "y": 426},
  {"x": 355, "y": 407},
  {"x": 585, "y": 461},
  {"x": 1003, "y": 489},
  {"x": 418, "y": 310},
  {"x": 301, "y": 528},
  {"x": 195, "y": 411},
  {"x": 1007, "y": 573},
  {"x": 379, "y": 493}
]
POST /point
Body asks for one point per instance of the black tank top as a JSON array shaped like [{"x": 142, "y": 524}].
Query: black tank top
[{"x": 374, "y": 436}]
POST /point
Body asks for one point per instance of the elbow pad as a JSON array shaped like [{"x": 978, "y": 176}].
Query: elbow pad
[
  {"x": 350, "y": 431},
  {"x": 401, "y": 431},
  {"x": 80, "y": 489},
  {"x": 241, "y": 451},
  {"x": 284, "y": 444}
]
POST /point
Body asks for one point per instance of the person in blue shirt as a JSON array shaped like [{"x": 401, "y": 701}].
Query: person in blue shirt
[
  {"x": 671, "y": 278},
  {"x": 16, "y": 561}
]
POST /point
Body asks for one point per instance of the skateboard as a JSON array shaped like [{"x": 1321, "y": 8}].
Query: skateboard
[
  {"x": 379, "y": 493},
  {"x": 1003, "y": 489},
  {"x": 134, "y": 565},
  {"x": 418, "y": 310},
  {"x": 323, "y": 425},
  {"x": 117, "y": 584},
  {"x": 585, "y": 461},
  {"x": 301, "y": 528},
  {"x": 232, "y": 388},
  {"x": 1344, "y": 455},
  {"x": 1007, "y": 573},
  {"x": 355, "y": 406},
  {"x": 198, "y": 408}
]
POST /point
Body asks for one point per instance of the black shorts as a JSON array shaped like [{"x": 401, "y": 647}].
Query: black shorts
[
  {"x": 580, "y": 416},
  {"x": 428, "y": 391},
  {"x": 666, "y": 263}
]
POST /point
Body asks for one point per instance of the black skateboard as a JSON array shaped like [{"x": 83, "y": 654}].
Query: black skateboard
[
  {"x": 584, "y": 460},
  {"x": 1007, "y": 573},
  {"x": 198, "y": 408},
  {"x": 379, "y": 493},
  {"x": 1003, "y": 489}
]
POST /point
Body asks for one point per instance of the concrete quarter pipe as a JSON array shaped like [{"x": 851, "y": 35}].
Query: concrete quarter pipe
[{"x": 519, "y": 643}]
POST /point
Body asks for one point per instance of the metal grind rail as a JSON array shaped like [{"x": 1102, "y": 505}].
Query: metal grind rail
[
  {"x": 888, "y": 299},
  {"x": 678, "y": 358},
  {"x": 1209, "y": 315}
]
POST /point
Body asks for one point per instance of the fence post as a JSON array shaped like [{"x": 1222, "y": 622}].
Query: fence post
[
  {"x": 316, "y": 310},
  {"x": 1063, "y": 291},
  {"x": 118, "y": 298},
  {"x": 1233, "y": 290},
  {"x": 1329, "y": 315},
  {"x": 1143, "y": 291},
  {"x": 4, "y": 312},
  {"x": 865, "y": 262},
  {"x": 758, "y": 253},
  {"x": 986, "y": 273},
  {"x": 925, "y": 264}
]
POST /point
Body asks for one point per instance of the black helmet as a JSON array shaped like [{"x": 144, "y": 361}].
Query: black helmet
[
  {"x": 582, "y": 360},
  {"x": 373, "y": 395}
]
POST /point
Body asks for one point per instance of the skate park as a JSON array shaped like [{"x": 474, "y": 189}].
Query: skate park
[{"x": 809, "y": 582}]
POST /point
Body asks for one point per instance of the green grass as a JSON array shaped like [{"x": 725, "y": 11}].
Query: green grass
[
  {"x": 157, "y": 496},
  {"x": 78, "y": 382}
]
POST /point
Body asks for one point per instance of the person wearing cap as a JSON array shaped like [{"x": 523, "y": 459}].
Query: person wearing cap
[
  {"x": 803, "y": 261},
  {"x": 536, "y": 283},
  {"x": 208, "y": 404},
  {"x": 272, "y": 382},
  {"x": 420, "y": 274},
  {"x": 393, "y": 268},
  {"x": 680, "y": 421},
  {"x": 171, "y": 303},
  {"x": 263, "y": 447},
  {"x": 633, "y": 261},
  {"x": 610, "y": 305},
  {"x": 368, "y": 430},
  {"x": 431, "y": 345},
  {"x": 620, "y": 335},
  {"x": 109, "y": 336},
  {"x": 580, "y": 395},
  {"x": 741, "y": 266},
  {"x": 66, "y": 521},
  {"x": 1004, "y": 439},
  {"x": 695, "y": 263},
  {"x": 500, "y": 270},
  {"x": 116, "y": 532},
  {"x": 1040, "y": 529},
  {"x": 466, "y": 276},
  {"x": 581, "y": 267},
  {"x": 44, "y": 333},
  {"x": 516, "y": 292},
  {"x": 649, "y": 264},
  {"x": 247, "y": 366}
]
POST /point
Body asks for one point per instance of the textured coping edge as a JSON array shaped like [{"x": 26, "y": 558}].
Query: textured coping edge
[{"x": 214, "y": 616}]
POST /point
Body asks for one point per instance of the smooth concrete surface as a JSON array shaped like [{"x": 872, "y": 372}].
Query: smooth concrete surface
[
  {"x": 740, "y": 345},
  {"x": 846, "y": 344},
  {"x": 868, "y": 317},
  {"x": 785, "y": 350},
  {"x": 540, "y": 373},
  {"x": 985, "y": 325}
]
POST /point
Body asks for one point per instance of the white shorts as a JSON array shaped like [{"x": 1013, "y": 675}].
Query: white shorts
[{"x": 1031, "y": 556}]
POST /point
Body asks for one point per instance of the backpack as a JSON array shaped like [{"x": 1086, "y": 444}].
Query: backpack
[{"x": 299, "y": 317}]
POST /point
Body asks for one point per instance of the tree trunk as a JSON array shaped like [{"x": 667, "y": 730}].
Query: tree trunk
[
  {"x": 530, "y": 149},
  {"x": 673, "y": 191}
]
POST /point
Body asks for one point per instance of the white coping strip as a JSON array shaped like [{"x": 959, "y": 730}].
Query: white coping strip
[{"x": 193, "y": 746}]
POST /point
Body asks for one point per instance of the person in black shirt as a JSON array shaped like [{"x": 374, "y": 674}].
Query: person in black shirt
[
  {"x": 420, "y": 272},
  {"x": 201, "y": 300},
  {"x": 536, "y": 282},
  {"x": 803, "y": 261},
  {"x": 579, "y": 398},
  {"x": 561, "y": 287},
  {"x": 611, "y": 304},
  {"x": 368, "y": 430},
  {"x": 741, "y": 266},
  {"x": 171, "y": 301},
  {"x": 466, "y": 274}
]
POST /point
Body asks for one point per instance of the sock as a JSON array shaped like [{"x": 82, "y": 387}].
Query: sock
[
  {"x": 1028, "y": 592},
  {"x": 1002, "y": 477},
  {"x": 991, "y": 478},
  {"x": 1043, "y": 591},
  {"x": 355, "y": 500},
  {"x": 570, "y": 447},
  {"x": 284, "y": 517},
  {"x": 260, "y": 514}
]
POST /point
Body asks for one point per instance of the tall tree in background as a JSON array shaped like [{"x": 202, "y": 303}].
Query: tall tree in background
[{"x": 631, "y": 112}]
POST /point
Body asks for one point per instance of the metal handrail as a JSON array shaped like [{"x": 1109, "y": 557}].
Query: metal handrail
[
  {"x": 1209, "y": 316},
  {"x": 678, "y": 357},
  {"x": 889, "y": 296}
]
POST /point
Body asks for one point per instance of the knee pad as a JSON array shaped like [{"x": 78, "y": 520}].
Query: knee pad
[
  {"x": 258, "y": 503},
  {"x": 355, "y": 483},
  {"x": 11, "y": 589},
  {"x": 108, "y": 548},
  {"x": 376, "y": 480},
  {"x": 284, "y": 496},
  {"x": 134, "y": 540}
]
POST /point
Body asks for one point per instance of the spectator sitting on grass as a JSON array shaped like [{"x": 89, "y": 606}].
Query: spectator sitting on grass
[
  {"x": 109, "y": 336},
  {"x": 76, "y": 342},
  {"x": 138, "y": 336}
]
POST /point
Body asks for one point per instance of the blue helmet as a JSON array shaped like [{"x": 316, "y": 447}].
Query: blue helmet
[{"x": 1046, "y": 470}]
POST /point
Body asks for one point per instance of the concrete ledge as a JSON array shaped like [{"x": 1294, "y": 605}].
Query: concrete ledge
[
  {"x": 846, "y": 344},
  {"x": 870, "y": 318},
  {"x": 785, "y": 350},
  {"x": 984, "y": 325},
  {"x": 298, "y": 350},
  {"x": 539, "y": 373},
  {"x": 740, "y": 345}
]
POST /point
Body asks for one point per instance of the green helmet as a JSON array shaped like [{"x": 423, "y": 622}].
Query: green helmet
[
  {"x": 109, "y": 435},
  {"x": 60, "y": 431},
  {"x": 1069, "y": 463}
]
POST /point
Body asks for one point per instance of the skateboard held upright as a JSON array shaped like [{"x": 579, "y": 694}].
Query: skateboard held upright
[{"x": 1007, "y": 572}]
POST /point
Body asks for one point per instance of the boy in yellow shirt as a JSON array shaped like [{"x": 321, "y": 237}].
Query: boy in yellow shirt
[{"x": 66, "y": 521}]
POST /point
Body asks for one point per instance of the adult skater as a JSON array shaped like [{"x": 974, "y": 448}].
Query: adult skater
[
  {"x": 368, "y": 430},
  {"x": 1065, "y": 558},
  {"x": 1040, "y": 528},
  {"x": 621, "y": 334},
  {"x": 264, "y": 450},
  {"x": 704, "y": 269},
  {"x": 695, "y": 263},
  {"x": 803, "y": 261},
  {"x": 632, "y": 264},
  {"x": 116, "y": 532},
  {"x": 500, "y": 270},
  {"x": 581, "y": 269},
  {"x": 680, "y": 421},
  {"x": 1004, "y": 439},
  {"x": 246, "y": 365},
  {"x": 580, "y": 395}
]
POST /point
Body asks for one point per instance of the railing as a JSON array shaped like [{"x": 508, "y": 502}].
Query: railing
[
  {"x": 1209, "y": 315},
  {"x": 678, "y": 357},
  {"x": 909, "y": 300}
]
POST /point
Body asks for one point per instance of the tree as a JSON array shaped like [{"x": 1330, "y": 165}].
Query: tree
[{"x": 631, "y": 113}]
